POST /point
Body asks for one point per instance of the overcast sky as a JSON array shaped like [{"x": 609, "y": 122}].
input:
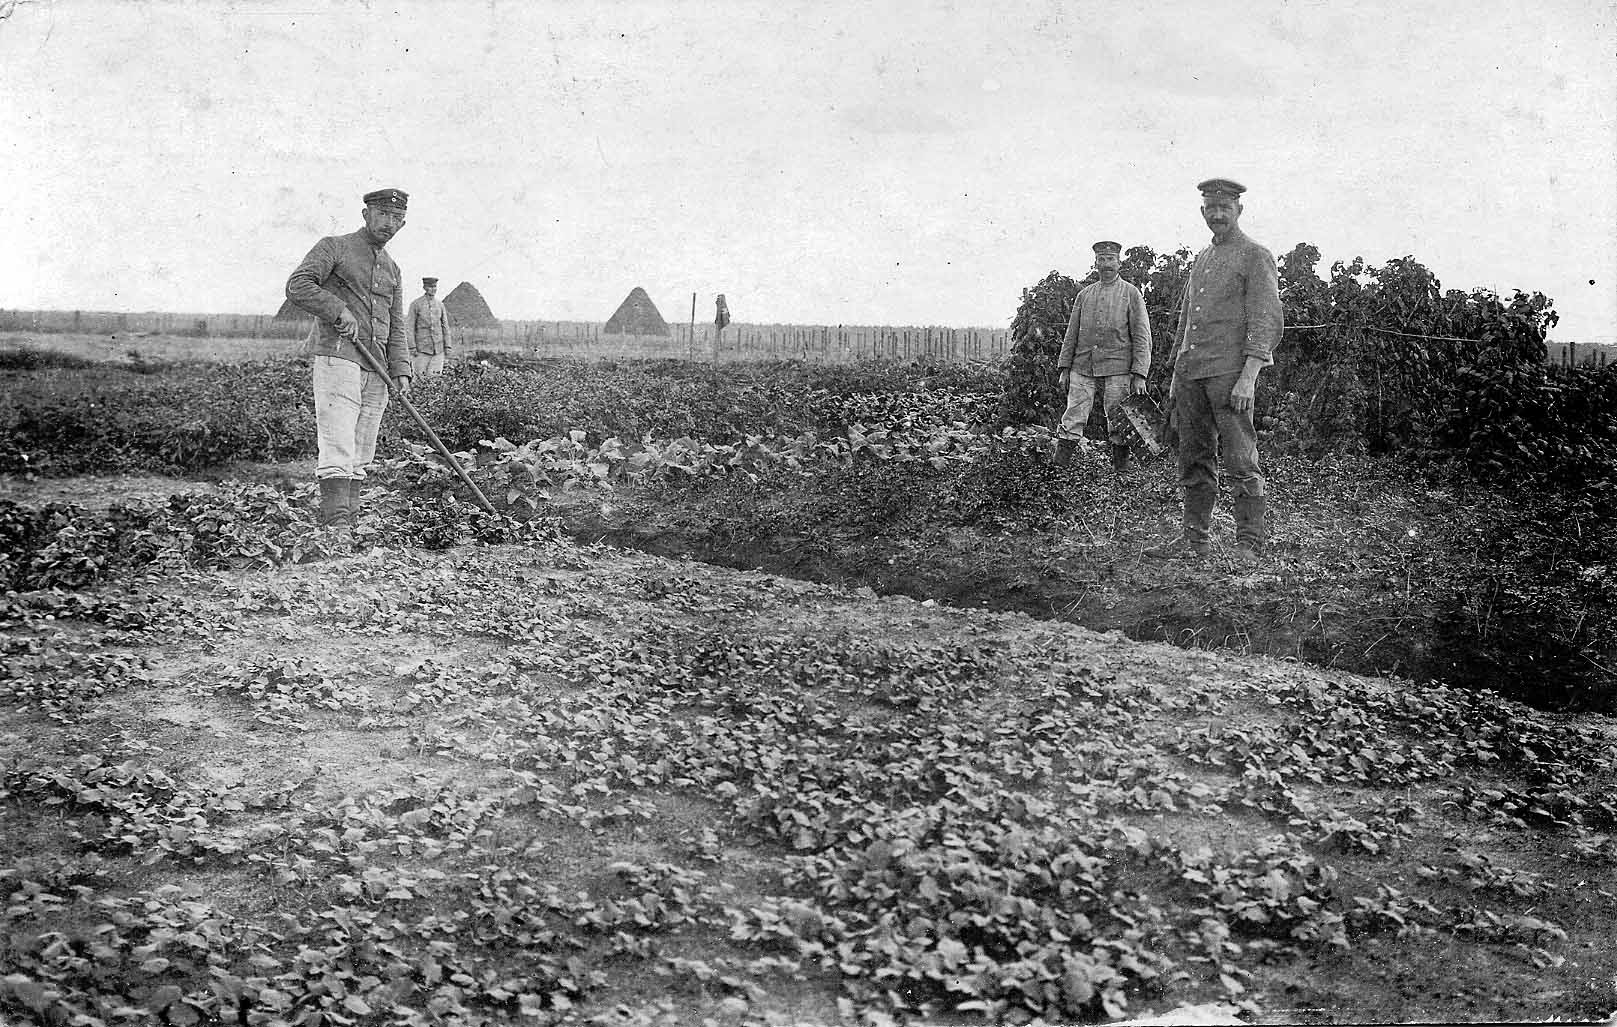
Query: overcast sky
[{"x": 820, "y": 162}]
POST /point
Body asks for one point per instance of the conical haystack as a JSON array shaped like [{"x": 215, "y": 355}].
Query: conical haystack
[
  {"x": 636, "y": 315},
  {"x": 467, "y": 306}
]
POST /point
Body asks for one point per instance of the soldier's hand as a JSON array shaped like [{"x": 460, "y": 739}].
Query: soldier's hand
[
  {"x": 1064, "y": 379},
  {"x": 1242, "y": 393},
  {"x": 347, "y": 325},
  {"x": 402, "y": 382},
  {"x": 1136, "y": 384}
]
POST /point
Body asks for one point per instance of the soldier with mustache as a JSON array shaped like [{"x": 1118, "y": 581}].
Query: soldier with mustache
[
  {"x": 1108, "y": 343},
  {"x": 353, "y": 288},
  {"x": 1230, "y": 320}
]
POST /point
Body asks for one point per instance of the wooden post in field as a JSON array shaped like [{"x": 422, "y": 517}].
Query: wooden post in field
[{"x": 690, "y": 344}]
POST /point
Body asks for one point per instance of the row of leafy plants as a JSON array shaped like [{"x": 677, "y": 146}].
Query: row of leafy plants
[
  {"x": 73, "y": 417},
  {"x": 257, "y": 525},
  {"x": 66, "y": 547}
]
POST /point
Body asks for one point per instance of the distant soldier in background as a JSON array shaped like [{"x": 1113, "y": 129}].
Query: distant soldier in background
[
  {"x": 721, "y": 318},
  {"x": 429, "y": 330},
  {"x": 352, "y": 287},
  {"x": 1108, "y": 343},
  {"x": 1230, "y": 320}
]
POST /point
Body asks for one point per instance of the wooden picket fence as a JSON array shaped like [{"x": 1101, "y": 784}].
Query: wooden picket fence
[
  {"x": 201, "y": 326},
  {"x": 741, "y": 342},
  {"x": 1568, "y": 354},
  {"x": 737, "y": 342}
]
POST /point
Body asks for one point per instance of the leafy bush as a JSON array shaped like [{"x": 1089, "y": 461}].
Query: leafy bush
[
  {"x": 1031, "y": 395},
  {"x": 1529, "y": 421}
]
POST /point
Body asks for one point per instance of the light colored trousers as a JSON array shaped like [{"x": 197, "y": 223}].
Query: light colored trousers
[
  {"x": 348, "y": 405},
  {"x": 427, "y": 363},
  {"x": 1081, "y": 399}
]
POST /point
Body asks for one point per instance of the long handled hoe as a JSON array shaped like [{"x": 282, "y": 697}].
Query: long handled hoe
[{"x": 375, "y": 366}]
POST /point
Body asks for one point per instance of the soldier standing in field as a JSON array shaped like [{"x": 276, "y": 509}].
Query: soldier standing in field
[
  {"x": 352, "y": 287},
  {"x": 1108, "y": 343},
  {"x": 429, "y": 330},
  {"x": 1230, "y": 320}
]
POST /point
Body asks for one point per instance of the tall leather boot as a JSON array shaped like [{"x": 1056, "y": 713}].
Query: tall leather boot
[
  {"x": 1120, "y": 457},
  {"x": 1250, "y": 532},
  {"x": 1064, "y": 451},
  {"x": 355, "y": 487},
  {"x": 1198, "y": 522},
  {"x": 333, "y": 502},
  {"x": 1193, "y": 540}
]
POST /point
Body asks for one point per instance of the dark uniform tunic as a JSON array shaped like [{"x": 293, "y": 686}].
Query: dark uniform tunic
[
  {"x": 353, "y": 272},
  {"x": 1230, "y": 310}
]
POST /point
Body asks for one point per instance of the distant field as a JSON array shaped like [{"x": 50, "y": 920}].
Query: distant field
[
  {"x": 135, "y": 347},
  {"x": 138, "y": 347}
]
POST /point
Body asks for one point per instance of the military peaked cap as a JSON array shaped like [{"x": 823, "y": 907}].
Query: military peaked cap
[
  {"x": 1107, "y": 246},
  {"x": 388, "y": 198},
  {"x": 1221, "y": 187}
]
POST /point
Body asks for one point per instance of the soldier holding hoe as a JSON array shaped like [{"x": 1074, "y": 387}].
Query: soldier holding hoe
[
  {"x": 1230, "y": 320},
  {"x": 1108, "y": 342},
  {"x": 352, "y": 287}
]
